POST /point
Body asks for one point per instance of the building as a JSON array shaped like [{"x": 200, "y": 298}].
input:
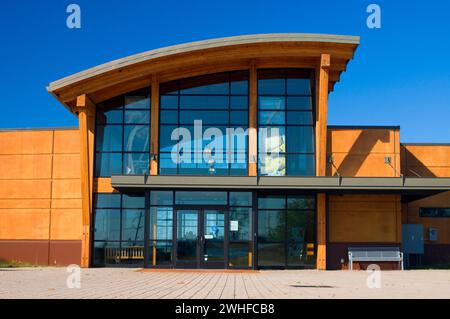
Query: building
[{"x": 111, "y": 192}]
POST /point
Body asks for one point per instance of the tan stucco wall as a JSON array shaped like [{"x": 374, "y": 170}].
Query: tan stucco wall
[
  {"x": 40, "y": 186},
  {"x": 361, "y": 152}
]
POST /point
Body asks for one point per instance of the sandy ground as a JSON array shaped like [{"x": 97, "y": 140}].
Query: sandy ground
[{"x": 130, "y": 283}]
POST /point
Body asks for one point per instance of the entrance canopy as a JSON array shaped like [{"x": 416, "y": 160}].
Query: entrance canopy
[{"x": 412, "y": 187}]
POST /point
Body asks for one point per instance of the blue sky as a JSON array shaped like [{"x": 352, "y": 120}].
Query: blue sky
[{"x": 400, "y": 74}]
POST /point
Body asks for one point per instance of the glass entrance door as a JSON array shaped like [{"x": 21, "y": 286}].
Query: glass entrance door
[
  {"x": 187, "y": 236},
  {"x": 212, "y": 248},
  {"x": 200, "y": 238}
]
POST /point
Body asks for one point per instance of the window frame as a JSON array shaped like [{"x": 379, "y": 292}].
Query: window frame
[{"x": 286, "y": 74}]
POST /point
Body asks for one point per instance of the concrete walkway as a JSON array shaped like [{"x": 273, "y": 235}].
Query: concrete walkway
[{"x": 130, "y": 283}]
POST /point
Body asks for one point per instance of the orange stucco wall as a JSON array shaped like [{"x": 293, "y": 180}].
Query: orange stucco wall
[
  {"x": 40, "y": 192},
  {"x": 364, "y": 218},
  {"x": 428, "y": 161},
  {"x": 361, "y": 152}
]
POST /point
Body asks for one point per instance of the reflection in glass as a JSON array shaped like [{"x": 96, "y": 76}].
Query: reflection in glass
[
  {"x": 163, "y": 251},
  {"x": 161, "y": 223},
  {"x": 208, "y": 99},
  {"x": 110, "y": 117},
  {"x": 271, "y": 226},
  {"x": 272, "y": 165},
  {"x": 107, "y": 164},
  {"x": 298, "y": 86},
  {"x": 137, "y": 117},
  {"x": 135, "y": 163},
  {"x": 284, "y": 95},
  {"x": 214, "y": 233},
  {"x": 271, "y": 255},
  {"x": 271, "y": 86},
  {"x": 107, "y": 200},
  {"x": 187, "y": 234},
  {"x": 240, "y": 224},
  {"x": 137, "y": 101},
  {"x": 203, "y": 102},
  {"x": 137, "y": 138},
  {"x": 299, "y": 103},
  {"x": 240, "y": 199},
  {"x": 133, "y": 225},
  {"x": 272, "y": 118},
  {"x": 271, "y": 103},
  {"x": 289, "y": 229},
  {"x": 239, "y": 254},
  {"x": 169, "y": 102},
  {"x": 131, "y": 253},
  {"x": 104, "y": 253},
  {"x": 300, "y": 139},
  {"x": 107, "y": 224},
  {"x": 300, "y": 165},
  {"x": 161, "y": 198},
  {"x": 133, "y": 201},
  {"x": 109, "y": 138},
  {"x": 205, "y": 198}
]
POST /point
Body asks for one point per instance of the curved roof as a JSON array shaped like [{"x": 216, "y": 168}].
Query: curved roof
[{"x": 267, "y": 50}]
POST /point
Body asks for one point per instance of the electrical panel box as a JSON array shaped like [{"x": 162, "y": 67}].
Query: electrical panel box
[
  {"x": 412, "y": 239},
  {"x": 432, "y": 234}
]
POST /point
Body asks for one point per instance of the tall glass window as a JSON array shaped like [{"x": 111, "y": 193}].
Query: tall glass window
[
  {"x": 286, "y": 231},
  {"x": 240, "y": 230},
  {"x": 123, "y": 135},
  {"x": 161, "y": 228},
  {"x": 219, "y": 101},
  {"x": 285, "y": 121},
  {"x": 119, "y": 223}
]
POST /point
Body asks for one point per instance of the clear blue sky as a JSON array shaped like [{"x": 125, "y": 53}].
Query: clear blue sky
[{"x": 400, "y": 74}]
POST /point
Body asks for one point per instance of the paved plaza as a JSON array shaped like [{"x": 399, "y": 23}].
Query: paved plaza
[{"x": 132, "y": 283}]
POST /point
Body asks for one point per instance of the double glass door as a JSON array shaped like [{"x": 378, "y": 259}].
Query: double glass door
[{"x": 200, "y": 238}]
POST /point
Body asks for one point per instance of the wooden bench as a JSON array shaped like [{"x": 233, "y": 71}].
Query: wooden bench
[
  {"x": 374, "y": 254},
  {"x": 128, "y": 253}
]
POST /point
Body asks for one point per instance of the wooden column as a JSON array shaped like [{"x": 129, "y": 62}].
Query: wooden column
[
  {"x": 321, "y": 231},
  {"x": 86, "y": 117},
  {"x": 321, "y": 114},
  {"x": 252, "y": 122},
  {"x": 154, "y": 133},
  {"x": 322, "y": 77}
]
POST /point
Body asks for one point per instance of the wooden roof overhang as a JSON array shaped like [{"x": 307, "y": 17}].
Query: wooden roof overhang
[{"x": 291, "y": 50}]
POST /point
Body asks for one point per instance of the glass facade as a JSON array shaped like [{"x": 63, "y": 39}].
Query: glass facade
[
  {"x": 286, "y": 231},
  {"x": 119, "y": 223},
  {"x": 220, "y": 102},
  {"x": 123, "y": 135},
  {"x": 215, "y": 229},
  {"x": 203, "y": 130},
  {"x": 286, "y": 145},
  {"x": 203, "y": 126}
]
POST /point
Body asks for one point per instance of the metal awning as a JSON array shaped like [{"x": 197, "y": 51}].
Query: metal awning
[
  {"x": 265, "y": 182},
  {"x": 411, "y": 188}
]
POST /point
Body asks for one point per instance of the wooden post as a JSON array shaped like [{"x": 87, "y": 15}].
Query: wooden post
[
  {"x": 321, "y": 232},
  {"x": 252, "y": 124},
  {"x": 321, "y": 114},
  {"x": 154, "y": 134},
  {"x": 86, "y": 116},
  {"x": 322, "y": 78}
]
